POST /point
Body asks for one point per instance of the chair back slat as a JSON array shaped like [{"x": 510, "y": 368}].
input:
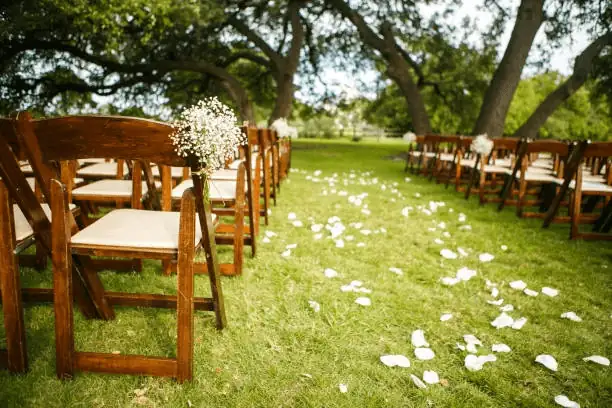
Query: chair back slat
[
  {"x": 598, "y": 149},
  {"x": 83, "y": 137},
  {"x": 548, "y": 146}
]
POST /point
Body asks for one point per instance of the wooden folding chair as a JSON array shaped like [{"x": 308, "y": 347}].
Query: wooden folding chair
[
  {"x": 415, "y": 150},
  {"x": 490, "y": 171},
  {"x": 539, "y": 166},
  {"x": 170, "y": 236},
  {"x": 588, "y": 177},
  {"x": 446, "y": 158}
]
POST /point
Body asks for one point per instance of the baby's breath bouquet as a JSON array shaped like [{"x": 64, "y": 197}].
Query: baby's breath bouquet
[
  {"x": 283, "y": 129},
  {"x": 208, "y": 132},
  {"x": 482, "y": 145}
]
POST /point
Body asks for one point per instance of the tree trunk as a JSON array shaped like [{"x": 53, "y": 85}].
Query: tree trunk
[
  {"x": 582, "y": 69},
  {"x": 284, "y": 97},
  {"x": 241, "y": 97},
  {"x": 398, "y": 71},
  {"x": 501, "y": 90}
]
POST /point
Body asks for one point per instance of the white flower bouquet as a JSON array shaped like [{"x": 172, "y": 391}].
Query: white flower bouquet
[
  {"x": 482, "y": 145},
  {"x": 283, "y": 129},
  {"x": 409, "y": 137},
  {"x": 208, "y": 132}
]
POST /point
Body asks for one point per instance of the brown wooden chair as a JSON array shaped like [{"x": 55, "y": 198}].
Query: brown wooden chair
[
  {"x": 590, "y": 178},
  {"x": 415, "y": 149},
  {"x": 539, "y": 164},
  {"x": 490, "y": 171},
  {"x": 169, "y": 236}
]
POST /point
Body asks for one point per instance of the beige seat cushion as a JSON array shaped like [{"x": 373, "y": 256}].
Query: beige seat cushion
[
  {"x": 22, "y": 226},
  {"x": 224, "y": 174},
  {"x": 130, "y": 228},
  {"x": 468, "y": 162},
  {"x": 176, "y": 172},
  {"x": 536, "y": 175},
  {"x": 101, "y": 170},
  {"x": 447, "y": 157},
  {"x": 219, "y": 190},
  {"x": 496, "y": 169},
  {"x": 110, "y": 188},
  {"x": 83, "y": 162},
  {"x": 590, "y": 186}
]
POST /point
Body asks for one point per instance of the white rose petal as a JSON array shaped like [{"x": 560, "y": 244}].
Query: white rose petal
[
  {"x": 291, "y": 246},
  {"x": 318, "y": 236},
  {"x": 438, "y": 241},
  {"x": 504, "y": 247},
  {"x": 314, "y": 306},
  {"x": 571, "y": 316},
  {"x": 424, "y": 353},
  {"x": 271, "y": 234},
  {"x": 598, "y": 359},
  {"x": 361, "y": 244},
  {"x": 417, "y": 381},
  {"x": 291, "y": 216},
  {"x": 330, "y": 273},
  {"x": 363, "y": 301},
  {"x": 547, "y": 361},
  {"x": 431, "y": 377},
  {"x": 265, "y": 240},
  {"x": 471, "y": 339},
  {"x": 418, "y": 339},
  {"x": 466, "y": 227},
  {"x": 449, "y": 281},
  {"x": 316, "y": 227},
  {"x": 343, "y": 388},
  {"x": 396, "y": 271},
  {"x": 518, "y": 285},
  {"x": 465, "y": 274},
  {"x": 395, "y": 360},
  {"x": 507, "y": 308},
  {"x": 473, "y": 363},
  {"x": 566, "y": 402},
  {"x": 550, "y": 291},
  {"x": 339, "y": 243},
  {"x": 486, "y": 257},
  {"x": 503, "y": 320},
  {"x": 530, "y": 292},
  {"x": 445, "y": 317},
  {"x": 287, "y": 253},
  {"x": 298, "y": 224},
  {"x": 448, "y": 254},
  {"x": 496, "y": 302},
  {"x": 500, "y": 348},
  {"x": 519, "y": 323},
  {"x": 462, "y": 252}
]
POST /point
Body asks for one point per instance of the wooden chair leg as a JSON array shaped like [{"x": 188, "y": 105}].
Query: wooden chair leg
[
  {"x": 185, "y": 307},
  {"x": 266, "y": 180},
  {"x": 17, "y": 359},
  {"x": 521, "y": 198},
  {"x": 62, "y": 283}
]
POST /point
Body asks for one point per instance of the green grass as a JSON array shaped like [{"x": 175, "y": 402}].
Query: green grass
[{"x": 278, "y": 352}]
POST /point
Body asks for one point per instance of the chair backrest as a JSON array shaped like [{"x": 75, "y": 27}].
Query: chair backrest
[
  {"x": 548, "y": 146},
  {"x": 505, "y": 143}
]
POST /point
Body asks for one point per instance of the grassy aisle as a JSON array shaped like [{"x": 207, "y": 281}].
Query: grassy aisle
[{"x": 279, "y": 352}]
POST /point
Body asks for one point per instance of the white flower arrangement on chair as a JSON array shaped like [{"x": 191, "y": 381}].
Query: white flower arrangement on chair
[
  {"x": 409, "y": 137},
  {"x": 283, "y": 129},
  {"x": 208, "y": 131},
  {"x": 482, "y": 145}
]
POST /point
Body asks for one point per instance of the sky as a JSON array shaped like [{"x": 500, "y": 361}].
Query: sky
[{"x": 344, "y": 81}]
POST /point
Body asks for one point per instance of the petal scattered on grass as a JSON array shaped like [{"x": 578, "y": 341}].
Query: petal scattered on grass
[
  {"x": 445, "y": 317},
  {"x": 507, "y": 308},
  {"x": 395, "y": 360},
  {"x": 530, "y": 292},
  {"x": 314, "y": 306},
  {"x": 417, "y": 381},
  {"x": 547, "y": 361},
  {"x": 298, "y": 223},
  {"x": 475, "y": 363},
  {"x": 431, "y": 377},
  {"x": 339, "y": 243},
  {"x": 494, "y": 292},
  {"x": 566, "y": 402},
  {"x": 598, "y": 359},
  {"x": 363, "y": 301},
  {"x": 495, "y": 302},
  {"x": 316, "y": 227},
  {"x": 343, "y": 388},
  {"x": 291, "y": 246},
  {"x": 265, "y": 240},
  {"x": 286, "y": 253},
  {"x": 465, "y": 273},
  {"x": 449, "y": 281},
  {"x": 519, "y": 323},
  {"x": 550, "y": 291},
  {"x": 486, "y": 257},
  {"x": 396, "y": 271},
  {"x": 504, "y": 247},
  {"x": 518, "y": 285},
  {"x": 318, "y": 236},
  {"x": 571, "y": 316},
  {"x": 291, "y": 216},
  {"x": 448, "y": 254},
  {"x": 424, "y": 353},
  {"x": 418, "y": 339},
  {"x": 270, "y": 234},
  {"x": 330, "y": 273},
  {"x": 503, "y": 320},
  {"x": 500, "y": 348},
  {"x": 438, "y": 241}
]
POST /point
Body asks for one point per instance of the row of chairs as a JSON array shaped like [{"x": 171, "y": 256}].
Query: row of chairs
[
  {"x": 556, "y": 181},
  {"x": 106, "y": 192}
]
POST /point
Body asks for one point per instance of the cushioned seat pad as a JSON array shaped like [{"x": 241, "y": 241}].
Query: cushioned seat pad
[
  {"x": 101, "y": 170},
  {"x": 130, "y": 228},
  {"x": 110, "y": 188},
  {"x": 22, "y": 226}
]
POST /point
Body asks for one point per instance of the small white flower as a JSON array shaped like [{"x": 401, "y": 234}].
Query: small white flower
[{"x": 482, "y": 145}]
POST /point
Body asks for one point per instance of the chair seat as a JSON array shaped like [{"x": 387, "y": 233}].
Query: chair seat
[
  {"x": 85, "y": 162},
  {"x": 225, "y": 174},
  {"x": 496, "y": 169},
  {"x": 447, "y": 157},
  {"x": 590, "y": 186},
  {"x": 468, "y": 162},
  {"x": 22, "y": 226},
  {"x": 536, "y": 175},
  {"x": 129, "y": 228},
  {"x": 31, "y": 182},
  {"x": 418, "y": 154},
  {"x": 176, "y": 172},
  {"x": 218, "y": 190},
  {"x": 27, "y": 170},
  {"x": 101, "y": 170},
  {"x": 110, "y": 188}
]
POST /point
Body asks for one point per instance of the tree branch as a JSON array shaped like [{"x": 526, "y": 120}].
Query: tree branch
[{"x": 252, "y": 36}]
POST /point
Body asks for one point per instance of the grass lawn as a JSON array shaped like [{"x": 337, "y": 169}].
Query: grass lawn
[{"x": 278, "y": 351}]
